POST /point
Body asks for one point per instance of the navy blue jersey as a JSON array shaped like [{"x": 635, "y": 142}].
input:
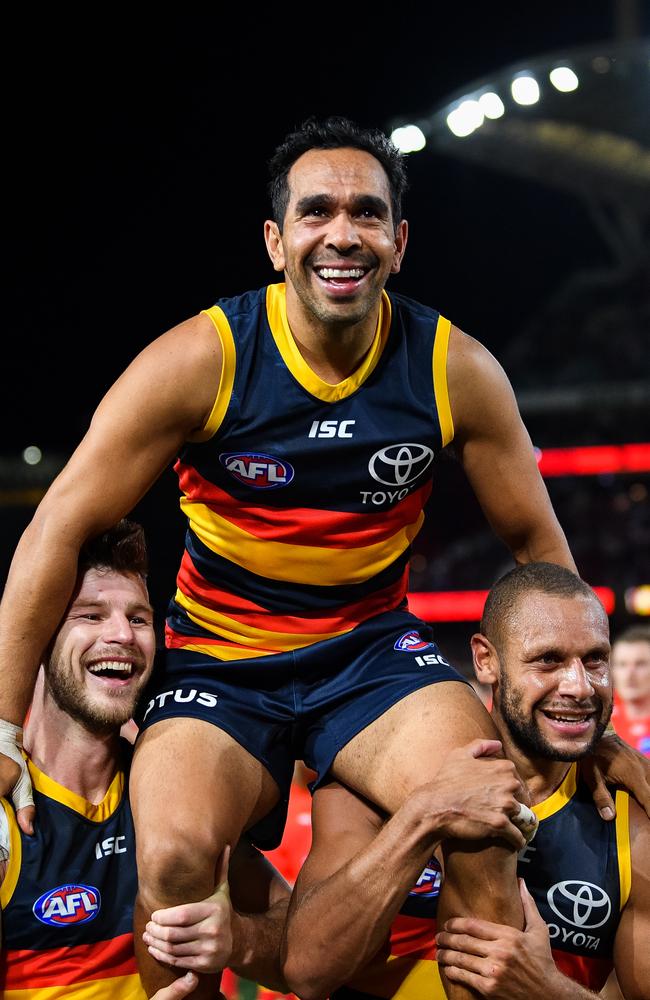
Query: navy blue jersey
[
  {"x": 303, "y": 499},
  {"x": 67, "y": 898}
]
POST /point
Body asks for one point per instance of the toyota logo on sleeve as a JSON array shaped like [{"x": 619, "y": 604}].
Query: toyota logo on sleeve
[{"x": 400, "y": 464}]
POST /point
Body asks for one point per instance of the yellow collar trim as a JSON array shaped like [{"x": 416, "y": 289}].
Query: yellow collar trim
[
  {"x": 276, "y": 310},
  {"x": 97, "y": 813},
  {"x": 559, "y": 798}
]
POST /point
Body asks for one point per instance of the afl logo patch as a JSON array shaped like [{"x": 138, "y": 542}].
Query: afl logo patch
[
  {"x": 67, "y": 904},
  {"x": 262, "y": 472},
  {"x": 429, "y": 882},
  {"x": 412, "y": 642},
  {"x": 400, "y": 464}
]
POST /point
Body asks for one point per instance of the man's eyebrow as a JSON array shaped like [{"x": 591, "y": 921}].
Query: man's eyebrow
[
  {"x": 371, "y": 201},
  {"x": 310, "y": 201}
]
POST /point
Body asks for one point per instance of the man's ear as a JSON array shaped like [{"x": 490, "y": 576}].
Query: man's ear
[
  {"x": 401, "y": 237},
  {"x": 274, "y": 247},
  {"x": 485, "y": 659}
]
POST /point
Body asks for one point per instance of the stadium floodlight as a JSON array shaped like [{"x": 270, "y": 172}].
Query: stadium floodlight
[
  {"x": 491, "y": 105},
  {"x": 466, "y": 118},
  {"x": 564, "y": 79},
  {"x": 32, "y": 455},
  {"x": 409, "y": 139},
  {"x": 525, "y": 89}
]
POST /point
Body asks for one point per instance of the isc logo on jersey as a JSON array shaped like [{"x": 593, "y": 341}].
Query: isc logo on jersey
[
  {"x": 411, "y": 642},
  {"x": 429, "y": 882},
  {"x": 67, "y": 904},
  {"x": 262, "y": 472}
]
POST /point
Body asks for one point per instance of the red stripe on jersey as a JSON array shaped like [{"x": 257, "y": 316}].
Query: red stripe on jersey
[
  {"x": 413, "y": 936},
  {"x": 589, "y": 971},
  {"x": 191, "y": 582},
  {"x": 304, "y": 525},
  {"x": 30, "y": 970},
  {"x": 178, "y": 640}
]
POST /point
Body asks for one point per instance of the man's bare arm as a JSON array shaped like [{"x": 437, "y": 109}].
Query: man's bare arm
[
  {"x": 498, "y": 457},
  {"x": 159, "y": 402},
  {"x": 360, "y": 869}
]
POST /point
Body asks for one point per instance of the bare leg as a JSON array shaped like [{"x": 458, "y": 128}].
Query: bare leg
[
  {"x": 193, "y": 790},
  {"x": 403, "y": 749}
]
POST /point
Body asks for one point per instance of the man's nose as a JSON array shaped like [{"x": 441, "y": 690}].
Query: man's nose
[
  {"x": 343, "y": 233},
  {"x": 119, "y": 629},
  {"x": 575, "y": 680}
]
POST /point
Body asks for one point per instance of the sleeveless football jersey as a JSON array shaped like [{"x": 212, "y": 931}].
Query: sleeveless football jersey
[
  {"x": 303, "y": 499},
  {"x": 67, "y": 898},
  {"x": 577, "y": 868}
]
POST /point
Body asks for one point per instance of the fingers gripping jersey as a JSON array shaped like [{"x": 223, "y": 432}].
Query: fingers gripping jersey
[
  {"x": 67, "y": 899},
  {"x": 304, "y": 498}
]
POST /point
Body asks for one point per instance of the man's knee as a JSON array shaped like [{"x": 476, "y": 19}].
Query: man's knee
[{"x": 177, "y": 864}]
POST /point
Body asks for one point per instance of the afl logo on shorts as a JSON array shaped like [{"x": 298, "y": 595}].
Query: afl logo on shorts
[
  {"x": 262, "y": 472},
  {"x": 411, "y": 642},
  {"x": 429, "y": 882},
  {"x": 67, "y": 904}
]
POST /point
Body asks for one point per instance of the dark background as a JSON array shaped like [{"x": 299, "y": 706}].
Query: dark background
[{"x": 135, "y": 174}]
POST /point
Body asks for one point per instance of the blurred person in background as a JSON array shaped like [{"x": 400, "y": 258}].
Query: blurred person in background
[{"x": 631, "y": 672}]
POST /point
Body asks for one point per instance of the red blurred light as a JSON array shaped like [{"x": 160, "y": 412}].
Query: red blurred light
[
  {"x": 594, "y": 461},
  {"x": 467, "y": 605}
]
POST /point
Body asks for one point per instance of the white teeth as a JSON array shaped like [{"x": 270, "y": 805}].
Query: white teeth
[
  {"x": 115, "y": 666},
  {"x": 333, "y": 272}
]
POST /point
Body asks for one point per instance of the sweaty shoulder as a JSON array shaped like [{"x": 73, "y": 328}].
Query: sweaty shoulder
[{"x": 478, "y": 385}]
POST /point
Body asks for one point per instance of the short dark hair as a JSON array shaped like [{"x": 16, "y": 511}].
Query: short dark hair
[
  {"x": 335, "y": 132},
  {"x": 121, "y": 548},
  {"x": 634, "y": 633},
  {"x": 543, "y": 577}
]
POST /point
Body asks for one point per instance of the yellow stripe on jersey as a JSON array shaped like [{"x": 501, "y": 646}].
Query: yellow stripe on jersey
[
  {"x": 221, "y": 651},
  {"x": 623, "y": 845},
  {"x": 276, "y": 310},
  {"x": 117, "y": 988},
  {"x": 224, "y": 392},
  {"x": 15, "y": 856},
  {"x": 247, "y": 634},
  {"x": 97, "y": 813},
  {"x": 296, "y": 563},
  {"x": 440, "y": 387},
  {"x": 422, "y": 981},
  {"x": 560, "y": 796}
]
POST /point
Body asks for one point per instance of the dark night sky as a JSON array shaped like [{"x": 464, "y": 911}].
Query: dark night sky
[{"x": 137, "y": 170}]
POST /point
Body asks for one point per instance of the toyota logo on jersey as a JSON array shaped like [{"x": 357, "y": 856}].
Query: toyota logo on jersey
[
  {"x": 67, "y": 904},
  {"x": 262, "y": 472},
  {"x": 582, "y": 904},
  {"x": 400, "y": 464}
]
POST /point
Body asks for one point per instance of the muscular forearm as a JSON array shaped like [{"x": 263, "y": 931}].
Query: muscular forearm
[
  {"x": 256, "y": 946},
  {"x": 340, "y": 924}
]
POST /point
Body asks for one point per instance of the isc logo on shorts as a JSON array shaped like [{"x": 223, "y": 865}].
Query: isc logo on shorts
[
  {"x": 67, "y": 904},
  {"x": 262, "y": 472},
  {"x": 411, "y": 642}
]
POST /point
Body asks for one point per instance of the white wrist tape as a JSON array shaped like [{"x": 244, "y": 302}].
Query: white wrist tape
[
  {"x": 526, "y": 821},
  {"x": 11, "y": 745}
]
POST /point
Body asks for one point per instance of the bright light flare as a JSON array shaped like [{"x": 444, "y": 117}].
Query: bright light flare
[
  {"x": 409, "y": 139},
  {"x": 525, "y": 90},
  {"x": 32, "y": 455},
  {"x": 563, "y": 79},
  {"x": 491, "y": 105},
  {"x": 466, "y": 118}
]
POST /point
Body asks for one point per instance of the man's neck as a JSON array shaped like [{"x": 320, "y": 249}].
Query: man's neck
[
  {"x": 332, "y": 351},
  {"x": 542, "y": 776},
  {"x": 64, "y": 750}
]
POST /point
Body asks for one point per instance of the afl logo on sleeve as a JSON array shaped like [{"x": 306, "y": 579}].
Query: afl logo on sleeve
[
  {"x": 67, "y": 904},
  {"x": 429, "y": 882},
  {"x": 262, "y": 472}
]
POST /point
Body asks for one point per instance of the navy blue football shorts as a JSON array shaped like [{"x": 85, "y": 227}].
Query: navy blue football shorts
[{"x": 303, "y": 705}]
